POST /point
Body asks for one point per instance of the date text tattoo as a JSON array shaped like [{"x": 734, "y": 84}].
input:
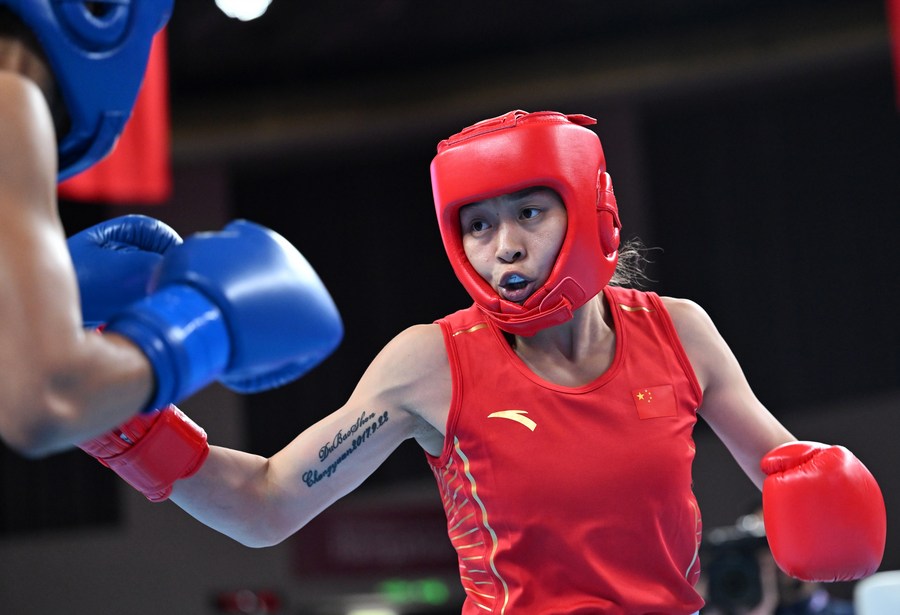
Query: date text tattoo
[{"x": 356, "y": 435}]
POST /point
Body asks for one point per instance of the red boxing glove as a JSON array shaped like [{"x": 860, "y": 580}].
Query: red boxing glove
[
  {"x": 823, "y": 511},
  {"x": 152, "y": 450}
]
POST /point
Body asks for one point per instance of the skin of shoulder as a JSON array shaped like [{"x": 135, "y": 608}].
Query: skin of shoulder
[
  {"x": 729, "y": 404},
  {"x": 412, "y": 374},
  {"x": 28, "y": 147}
]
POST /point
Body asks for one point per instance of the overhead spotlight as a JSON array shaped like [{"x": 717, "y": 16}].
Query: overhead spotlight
[{"x": 245, "y": 10}]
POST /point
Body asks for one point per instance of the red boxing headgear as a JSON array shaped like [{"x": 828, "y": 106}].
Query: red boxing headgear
[{"x": 521, "y": 150}]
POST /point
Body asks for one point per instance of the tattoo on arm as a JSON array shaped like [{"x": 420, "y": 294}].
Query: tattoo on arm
[{"x": 354, "y": 436}]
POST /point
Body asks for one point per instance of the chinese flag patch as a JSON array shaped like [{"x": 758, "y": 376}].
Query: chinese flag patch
[{"x": 655, "y": 402}]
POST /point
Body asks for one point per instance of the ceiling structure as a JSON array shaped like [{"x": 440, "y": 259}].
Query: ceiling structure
[{"x": 338, "y": 74}]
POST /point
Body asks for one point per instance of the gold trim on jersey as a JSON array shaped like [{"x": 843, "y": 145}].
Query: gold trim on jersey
[
  {"x": 471, "y": 329},
  {"x": 487, "y": 526},
  {"x": 698, "y": 531}
]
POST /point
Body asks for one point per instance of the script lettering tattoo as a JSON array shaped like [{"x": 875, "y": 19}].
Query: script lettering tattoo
[
  {"x": 344, "y": 434},
  {"x": 357, "y": 434}
]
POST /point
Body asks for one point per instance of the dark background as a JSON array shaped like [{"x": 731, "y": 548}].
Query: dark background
[
  {"x": 756, "y": 143},
  {"x": 766, "y": 135}
]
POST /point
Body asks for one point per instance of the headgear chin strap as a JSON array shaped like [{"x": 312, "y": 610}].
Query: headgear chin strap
[
  {"x": 521, "y": 150},
  {"x": 98, "y": 54}
]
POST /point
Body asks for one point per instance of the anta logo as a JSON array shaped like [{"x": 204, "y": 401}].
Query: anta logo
[{"x": 514, "y": 415}]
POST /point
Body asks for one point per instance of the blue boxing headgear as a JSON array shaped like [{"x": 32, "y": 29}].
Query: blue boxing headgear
[{"x": 98, "y": 53}]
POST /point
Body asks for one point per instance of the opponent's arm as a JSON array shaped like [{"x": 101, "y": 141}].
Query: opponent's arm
[
  {"x": 60, "y": 384},
  {"x": 241, "y": 305},
  {"x": 729, "y": 405}
]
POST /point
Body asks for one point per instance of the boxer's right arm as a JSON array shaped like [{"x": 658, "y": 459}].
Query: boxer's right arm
[
  {"x": 59, "y": 384},
  {"x": 260, "y": 502}
]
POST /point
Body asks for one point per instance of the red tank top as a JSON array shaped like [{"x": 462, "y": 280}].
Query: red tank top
[{"x": 573, "y": 500}]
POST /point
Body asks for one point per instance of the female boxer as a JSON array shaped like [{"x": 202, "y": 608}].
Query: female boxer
[{"x": 556, "y": 412}]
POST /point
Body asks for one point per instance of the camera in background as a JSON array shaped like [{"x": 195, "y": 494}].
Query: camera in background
[{"x": 731, "y": 561}]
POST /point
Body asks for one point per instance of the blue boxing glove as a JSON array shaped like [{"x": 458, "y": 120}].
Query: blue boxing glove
[
  {"x": 241, "y": 306},
  {"x": 114, "y": 261}
]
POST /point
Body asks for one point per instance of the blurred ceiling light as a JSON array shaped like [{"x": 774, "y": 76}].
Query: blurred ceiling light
[{"x": 245, "y": 10}]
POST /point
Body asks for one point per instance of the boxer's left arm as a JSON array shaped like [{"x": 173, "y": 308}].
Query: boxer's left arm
[
  {"x": 59, "y": 384},
  {"x": 729, "y": 405},
  {"x": 824, "y": 512}
]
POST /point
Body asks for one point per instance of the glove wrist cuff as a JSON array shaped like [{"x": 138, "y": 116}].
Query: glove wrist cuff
[
  {"x": 184, "y": 336},
  {"x": 174, "y": 448}
]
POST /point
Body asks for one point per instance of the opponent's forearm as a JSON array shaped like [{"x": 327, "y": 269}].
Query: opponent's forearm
[
  {"x": 55, "y": 414},
  {"x": 87, "y": 385},
  {"x": 61, "y": 384}
]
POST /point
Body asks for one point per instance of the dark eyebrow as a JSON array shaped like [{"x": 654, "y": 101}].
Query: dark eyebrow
[{"x": 521, "y": 195}]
